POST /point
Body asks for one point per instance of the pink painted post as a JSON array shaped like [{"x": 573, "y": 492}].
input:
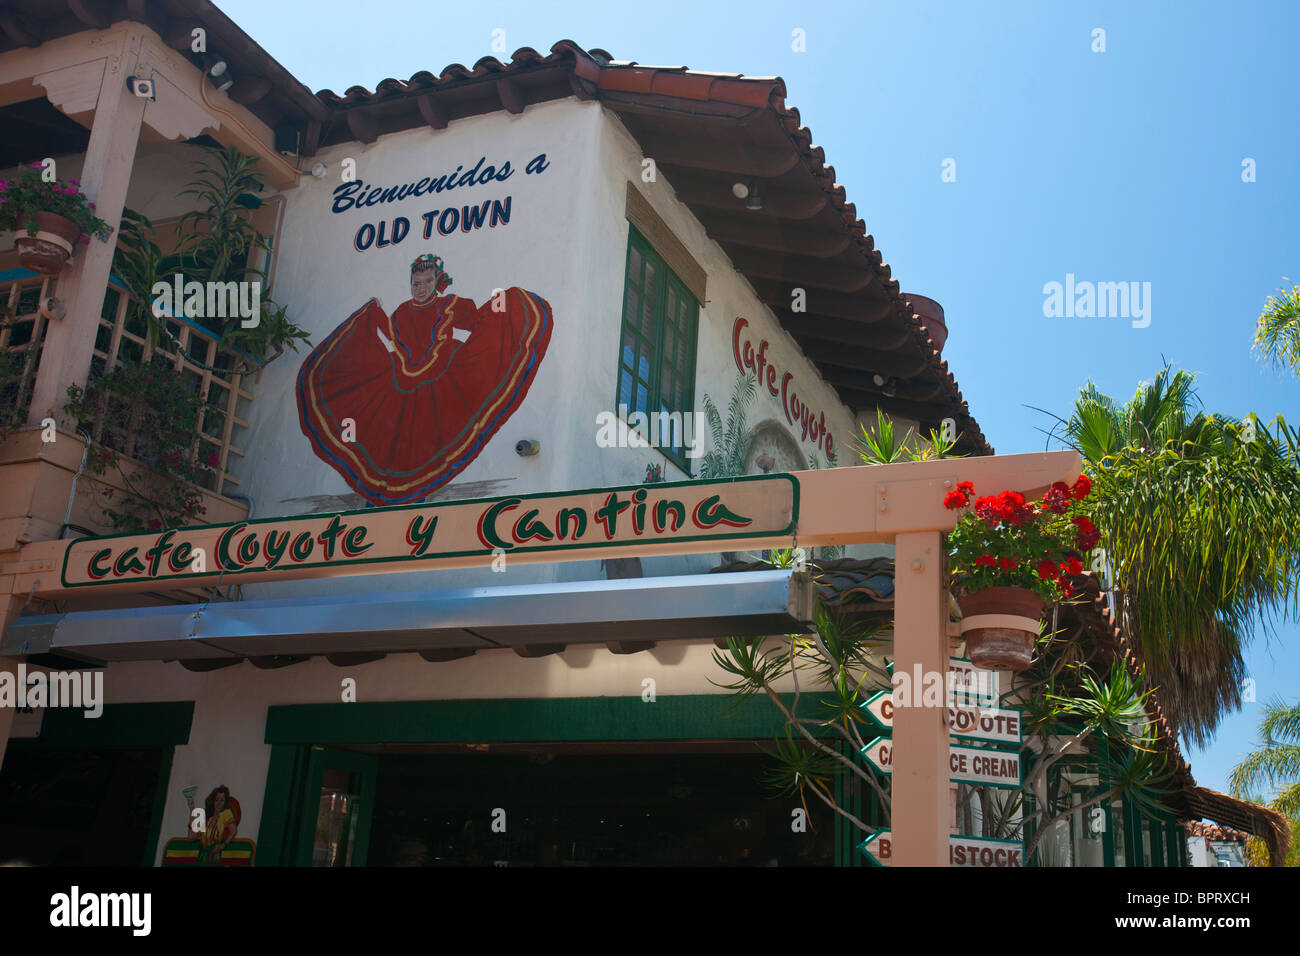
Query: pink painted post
[
  {"x": 69, "y": 343},
  {"x": 920, "y": 801}
]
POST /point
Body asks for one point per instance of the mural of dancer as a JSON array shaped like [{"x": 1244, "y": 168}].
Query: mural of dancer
[{"x": 401, "y": 404}]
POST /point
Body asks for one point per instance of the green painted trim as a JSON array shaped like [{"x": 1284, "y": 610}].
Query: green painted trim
[
  {"x": 159, "y": 805},
  {"x": 279, "y": 809},
  {"x": 660, "y": 320},
  {"x": 1174, "y": 857},
  {"x": 120, "y": 726},
  {"x": 319, "y": 760},
  {"x": 1132, "y": 835},
  {"x": 688, "y": 717},
  {"x": 1155, "y": 828}
]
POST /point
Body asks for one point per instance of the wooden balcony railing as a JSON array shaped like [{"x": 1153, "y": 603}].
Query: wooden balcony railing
[{"x": 217, "y": 374}]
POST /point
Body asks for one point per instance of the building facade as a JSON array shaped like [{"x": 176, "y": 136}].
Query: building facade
[{"x": 530, "y": 277}]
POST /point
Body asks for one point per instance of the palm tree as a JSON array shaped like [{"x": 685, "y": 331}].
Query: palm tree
[
  {"x": 1277, "y": 334},
  {"x": 1275, "y": 763},
  {"x": 1200, "y": 523}
]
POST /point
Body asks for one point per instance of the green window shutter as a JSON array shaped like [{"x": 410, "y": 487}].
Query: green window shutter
[{"x": 660, "y": 327}]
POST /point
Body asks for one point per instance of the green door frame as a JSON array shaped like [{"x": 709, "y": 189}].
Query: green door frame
[
  {"x": 163, "y": 726},
  {"x": 319, "y": 760},
  {"x": 293, "y": 729}
]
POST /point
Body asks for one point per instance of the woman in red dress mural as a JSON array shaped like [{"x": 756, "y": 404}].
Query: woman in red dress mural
[{"x": 401, "y": 404}]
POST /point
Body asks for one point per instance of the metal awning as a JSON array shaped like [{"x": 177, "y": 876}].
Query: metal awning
[{"x": 745, "y": 604}]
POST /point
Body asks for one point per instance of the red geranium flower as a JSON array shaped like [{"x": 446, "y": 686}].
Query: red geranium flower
[
  {"x": 954, "y": 500},
  {"x": 1047, "y": 570},
  {"x": 1006, "y": 564},
  {"x": 1072, "y": 566},
  {"x": 1082, "y": 487},
  {"x": 986, "y": 561},
  {"x": 1057, "y": 499},
  {"x": 966, "y": 487}
]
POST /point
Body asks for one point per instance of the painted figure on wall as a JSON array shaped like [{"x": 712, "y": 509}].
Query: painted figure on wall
[
  {"x": 221, "y": 814},
  {"x": 400, "y": 404}
]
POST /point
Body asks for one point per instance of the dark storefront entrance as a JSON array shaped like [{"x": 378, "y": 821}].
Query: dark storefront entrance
[
  {"x": 598, "y": 782},
  {"x": 564, "y": 807},
  {"x": 90, "y": 792}
]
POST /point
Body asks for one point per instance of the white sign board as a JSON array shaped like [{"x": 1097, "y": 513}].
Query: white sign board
[
  {"x": 990, "y": 768},
  {"x": 980, "y": 852},
  {"x": 995, "y": 724}
]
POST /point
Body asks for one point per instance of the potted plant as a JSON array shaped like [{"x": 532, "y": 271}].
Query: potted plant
[
  {"x": 1010, "y": 557},
  {"x": 49, "y": 217}
]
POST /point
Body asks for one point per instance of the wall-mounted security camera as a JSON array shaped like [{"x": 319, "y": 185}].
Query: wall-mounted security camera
[
  {"x": 527, "y": 446},
  {"x": 141, "y": 86}
]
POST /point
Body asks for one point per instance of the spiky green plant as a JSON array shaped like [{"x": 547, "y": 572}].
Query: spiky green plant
[{"x": 1277, "y": 332}]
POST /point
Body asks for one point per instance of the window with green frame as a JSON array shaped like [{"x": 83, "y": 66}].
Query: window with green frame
[{"x": 656, "y": 367}]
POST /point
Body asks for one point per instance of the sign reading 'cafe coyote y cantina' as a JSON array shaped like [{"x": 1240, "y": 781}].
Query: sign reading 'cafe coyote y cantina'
[{"x": 423, "y": 534}]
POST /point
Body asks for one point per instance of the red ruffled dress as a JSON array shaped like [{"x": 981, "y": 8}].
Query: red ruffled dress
[{"x": 424, "y": 390}]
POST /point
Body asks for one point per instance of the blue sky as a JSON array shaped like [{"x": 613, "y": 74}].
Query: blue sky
[{"x": 1123, "y": 165}]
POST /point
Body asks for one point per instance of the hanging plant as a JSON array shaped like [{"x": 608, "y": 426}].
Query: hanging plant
[
  {"x": 50, "y": 217},
  {"x": 1009, "y": 558}
]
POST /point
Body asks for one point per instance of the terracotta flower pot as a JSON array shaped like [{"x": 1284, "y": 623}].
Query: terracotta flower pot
[
  {"x": 49, "y": 250},
  {"x": 1001, "y": 627}
]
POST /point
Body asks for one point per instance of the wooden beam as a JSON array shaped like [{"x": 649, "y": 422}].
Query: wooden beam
[
  {"x": 355, "y": 658},
  {"x": 203, "y": 665},
  {"x": 872, "y": 335},
  {"x": 19, "y": 28},
  {"x": 362, "y": 126},
  {"x": 311, "y": 138},
  {"x": 920, "y": 773},
  {"x": 96, "y": 14},
  {"x": 746, "y": 229},
  {"x": 897, "y": 363},
  {"x": 275, "y": 661},
  {"x": 180, "y": 34},
  {"x": 929, "y": 414},
  {"x": 723, "y": 157},
  {"x": 538, "y": 650},
  {"x": 629, "y": 647},
  {"x": 855, "y": 308},
  {"x": 250, "y": 89},
  {"x": 433, "y": 110},
  {"x": 924, "y": 392},
  {"x": 442, "y": 654},
  {"x": 835, "y": 275},
  {"x": 511, "y": 96},
  {"x": 714, "y": 191}
]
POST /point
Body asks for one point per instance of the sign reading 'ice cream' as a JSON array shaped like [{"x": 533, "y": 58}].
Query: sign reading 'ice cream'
[{"x": 421, "y": 535}]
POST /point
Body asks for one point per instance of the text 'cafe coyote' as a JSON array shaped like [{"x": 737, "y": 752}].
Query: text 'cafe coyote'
[{"x": 468, "y": 532}]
